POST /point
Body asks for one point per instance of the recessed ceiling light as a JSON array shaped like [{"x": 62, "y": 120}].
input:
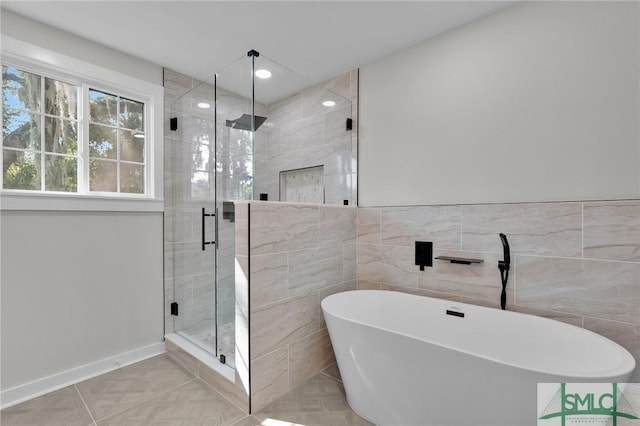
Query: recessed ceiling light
[
  {"x": 204, "y": 105},
  {"x": 262, "y": 73},
  {"x": 138, "y": 135},
  {"x": 329, "y": 103}
]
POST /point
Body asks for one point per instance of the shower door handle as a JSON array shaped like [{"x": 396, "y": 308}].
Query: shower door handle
[
  {"x": 215, "y": 221},
  {"x": 204, "y": 215}
]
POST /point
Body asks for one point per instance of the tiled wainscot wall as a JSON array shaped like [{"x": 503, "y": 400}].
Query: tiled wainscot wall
[
  {"x": 298, "y": 254},
  {"x": 574, "y": 262}
]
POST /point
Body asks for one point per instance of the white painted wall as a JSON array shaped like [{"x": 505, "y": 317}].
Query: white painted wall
[
  {"x": 77, "y": 287},
  {"x": 34, "y": 32},
  {"x": 539, "y": 102}
]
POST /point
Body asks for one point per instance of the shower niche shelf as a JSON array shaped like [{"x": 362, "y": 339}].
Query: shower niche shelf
[{"x": 460, "y": 260}]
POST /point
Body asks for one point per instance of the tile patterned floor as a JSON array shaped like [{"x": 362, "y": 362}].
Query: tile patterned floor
[
  {"x": 159, "y": 391},
  {"x": 318, "y": 401}
]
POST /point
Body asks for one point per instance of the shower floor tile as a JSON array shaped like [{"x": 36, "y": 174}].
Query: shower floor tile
[
  {"x": 204, "y": 333},
  {"x": 159, "y": 391}
]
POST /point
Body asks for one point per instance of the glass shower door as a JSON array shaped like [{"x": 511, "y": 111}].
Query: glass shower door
[
  {"x": 237, "y": 137},
  {"x": 191, "y": 210}
]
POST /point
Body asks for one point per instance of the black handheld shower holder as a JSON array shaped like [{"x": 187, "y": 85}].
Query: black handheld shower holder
[{"x": 504, "y": 266}]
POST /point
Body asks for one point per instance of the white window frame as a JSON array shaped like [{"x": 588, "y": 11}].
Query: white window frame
[
  {"x": 85, "y": 131},
  {"x": 28, "y": 57}
]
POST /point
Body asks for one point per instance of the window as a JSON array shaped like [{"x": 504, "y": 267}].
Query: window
[
  {"x": 39, "y": 132},
  {"x": 116, "y": 143},
  {"x": 50, "y": 145},
  {"x": 78, "y": 135}
]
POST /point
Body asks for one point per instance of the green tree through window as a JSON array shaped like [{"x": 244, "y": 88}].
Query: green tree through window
[
  {"x": 41, "y": 140},
  {"x": 116, "y": 143}
]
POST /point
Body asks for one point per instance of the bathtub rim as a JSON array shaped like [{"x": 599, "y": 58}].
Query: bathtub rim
[{"x": 575, "y": 374}]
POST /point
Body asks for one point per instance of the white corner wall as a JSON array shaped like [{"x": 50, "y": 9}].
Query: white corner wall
[
  {"x": 34, "y": 32},
  {"x": 77, "y": 287},
  {"x": 81, "y": 292},
  {"x": 538, "y": 102}
]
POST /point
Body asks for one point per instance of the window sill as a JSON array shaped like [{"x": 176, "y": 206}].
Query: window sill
[{"x": 72, "y": 202}]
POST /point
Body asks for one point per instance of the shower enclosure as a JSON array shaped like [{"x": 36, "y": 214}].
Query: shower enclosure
[{"x": 253, "y": 131}]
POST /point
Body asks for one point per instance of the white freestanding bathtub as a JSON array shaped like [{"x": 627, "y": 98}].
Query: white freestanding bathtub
[{"x": 405, "y": 361}]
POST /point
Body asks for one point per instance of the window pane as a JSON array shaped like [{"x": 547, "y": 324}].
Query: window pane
[
  {"x": 102, "y": 141},
  {"x": 20, "y": 129},
  {"x": 21, "y": 170},
  {"x": 60, "y": 99},
  {"x": 131, "y": 178},
  {"x": 131, "y": 114},
  {"x": 20, "y": 89},
  {"x": 61, "y": 135},
  {"x": 103, "y": 107},
  {"x": 61, "y": 173},
  {"x": 103, "y": 176},
  {"x": 132, "y": 148}
]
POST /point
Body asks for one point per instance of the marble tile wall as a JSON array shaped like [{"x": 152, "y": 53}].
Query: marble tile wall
[
  {"x": 299, "y": 254},
  {"x": 302, "y": 133},
  {"x": 241, "y": 282},
  {"x": 577, "y": 262}
]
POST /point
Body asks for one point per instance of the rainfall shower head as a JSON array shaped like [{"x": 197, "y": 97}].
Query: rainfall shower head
[{"x": 244, "y": 122}]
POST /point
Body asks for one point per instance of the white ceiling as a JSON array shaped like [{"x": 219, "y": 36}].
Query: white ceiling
[{"x": 317, "y": 39}]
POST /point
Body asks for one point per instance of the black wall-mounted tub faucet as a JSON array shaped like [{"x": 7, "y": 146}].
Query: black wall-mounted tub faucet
[{"x": 504, "y": 266}]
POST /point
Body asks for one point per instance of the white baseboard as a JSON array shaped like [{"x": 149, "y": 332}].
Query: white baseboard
[{"x": 63, "y": 379}]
